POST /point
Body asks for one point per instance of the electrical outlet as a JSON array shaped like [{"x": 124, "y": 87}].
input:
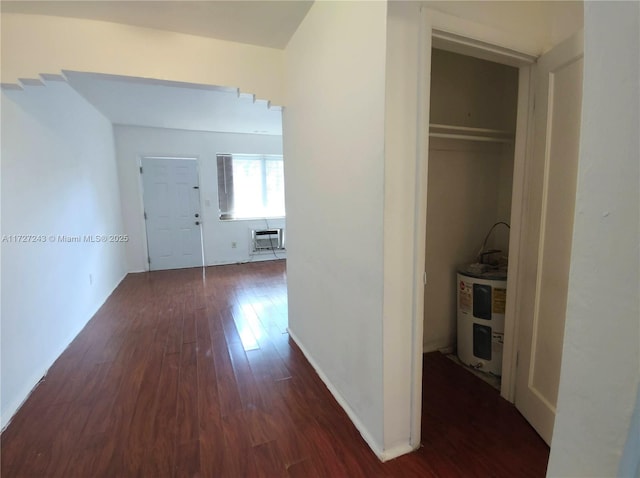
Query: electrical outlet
[{"x": 234, "y": 245}]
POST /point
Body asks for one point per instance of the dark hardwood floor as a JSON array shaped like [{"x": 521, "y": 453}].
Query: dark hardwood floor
[{"x": 177, "y": 375}]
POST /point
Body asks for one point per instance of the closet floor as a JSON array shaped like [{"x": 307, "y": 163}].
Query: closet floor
[
  {"x": 489, "y": 378},
  {"x": 468, "y": 429}
]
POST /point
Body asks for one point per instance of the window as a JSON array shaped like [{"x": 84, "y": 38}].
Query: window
[{"x": 250, "y": 185}]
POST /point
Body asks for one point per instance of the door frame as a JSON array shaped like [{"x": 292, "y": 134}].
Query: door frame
[
  {"x": 476, "y": 40},
  {"x": 143, "y": 222}
]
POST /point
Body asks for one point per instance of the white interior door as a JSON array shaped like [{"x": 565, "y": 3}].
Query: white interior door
[
  {"x": 172, "y": 210},
  {"x": 549, "y": 211}
]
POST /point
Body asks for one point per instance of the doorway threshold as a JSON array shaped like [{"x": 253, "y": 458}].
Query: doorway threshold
[{"x": 489, "y": 378}]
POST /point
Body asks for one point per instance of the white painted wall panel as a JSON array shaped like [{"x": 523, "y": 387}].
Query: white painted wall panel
[
  {"x": 463, "y": 195},
  {"x": 58, "y": 179},
  {"x": 334, "y": 145}
]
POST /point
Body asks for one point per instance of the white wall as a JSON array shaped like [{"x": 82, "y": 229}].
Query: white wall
[
  {"x": 469, "y": 187},
  {"x": 334, "y": 145},
  {"x": 500, "y": 236},
  {"x": 601, "y": 355},
  {"x": 35, "y": 44},
  {"x": 463, "y": 195},
  {"x": 400, "y": 180},
  {"x": 132, "y": 143},
  {"x": 58, "y": 178},
  {"x": 467, "y": 91}
]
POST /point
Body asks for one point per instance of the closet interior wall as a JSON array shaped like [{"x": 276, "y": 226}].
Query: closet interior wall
[{"x": 469, "y": 180}]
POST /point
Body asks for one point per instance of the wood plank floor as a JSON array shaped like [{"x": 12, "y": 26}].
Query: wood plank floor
[{"x": 177, "y": 375}]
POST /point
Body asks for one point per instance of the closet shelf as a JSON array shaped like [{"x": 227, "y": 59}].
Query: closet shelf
[{"x": 471, "y": 134}]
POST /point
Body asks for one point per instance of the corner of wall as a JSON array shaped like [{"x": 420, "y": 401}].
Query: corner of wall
[{"x": 364, "y": 432}]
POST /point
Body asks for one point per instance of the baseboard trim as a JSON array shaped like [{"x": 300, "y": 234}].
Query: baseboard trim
[
  {"x": 383, "y": 455},
  {"x": 396, "y": 451},
  {"x": 438, "y": 347}
]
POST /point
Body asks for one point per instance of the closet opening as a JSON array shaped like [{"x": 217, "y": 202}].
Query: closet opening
[
  {"x": 480, "y": 111},
  {"x": 500, "y": 141},
  {"x": 472, "y": 130}
]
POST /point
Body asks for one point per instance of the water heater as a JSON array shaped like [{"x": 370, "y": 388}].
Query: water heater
[{"x": 481, "y": 306}]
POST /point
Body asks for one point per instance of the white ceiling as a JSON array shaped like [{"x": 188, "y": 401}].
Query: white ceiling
[
  {"x": 165, "y": 104},
  {"x": 264, "y": 23}
]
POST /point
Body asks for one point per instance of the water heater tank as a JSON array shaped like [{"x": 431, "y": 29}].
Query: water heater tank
[{"x": 481, "y": 306}]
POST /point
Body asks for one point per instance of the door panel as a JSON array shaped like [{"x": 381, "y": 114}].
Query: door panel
[
  {"x": 171, "y": 202},
  {"x": 549, "y": 206}
]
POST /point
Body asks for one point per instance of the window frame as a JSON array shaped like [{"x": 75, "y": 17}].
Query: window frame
[{"x": 224, "y": 163}]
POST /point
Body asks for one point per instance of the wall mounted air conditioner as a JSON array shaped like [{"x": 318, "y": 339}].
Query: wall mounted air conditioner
[{"x": 267, "y": 240}]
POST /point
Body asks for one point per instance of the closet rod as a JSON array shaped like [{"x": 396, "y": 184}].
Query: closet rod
[
  {"x": 471, "y": 137},
  {"x": 470, "y": 129}
]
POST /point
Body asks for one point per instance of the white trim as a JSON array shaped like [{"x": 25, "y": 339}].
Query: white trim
[
  {"x": 185, "y": 158},
  {"x": 420, "y": 224},
  {"x": 467, "y": 129},
  {"x": 480, "y": 49},
  {"x": 141, "y": 211},
  {"x": 484, "y": 38},
  {"x": 470, "y": 137},
  {"x": 522, "y": 151},
  {"x": 382, "y": 454},
  {"x": 151, "y": 81},
  {"x": 395, "y": 452}
]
